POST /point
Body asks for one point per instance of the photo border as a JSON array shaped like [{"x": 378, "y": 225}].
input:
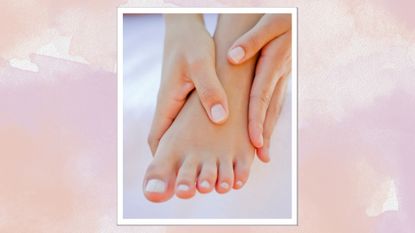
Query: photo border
[{"x": 294, "y": 78}]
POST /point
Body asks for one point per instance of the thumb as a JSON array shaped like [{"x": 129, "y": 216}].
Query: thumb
[
  {"x": 268, "y": 28},
  {"x": 211, "y": 93}
]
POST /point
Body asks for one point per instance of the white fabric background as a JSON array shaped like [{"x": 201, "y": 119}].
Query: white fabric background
[{"x": 267, "y": 193}]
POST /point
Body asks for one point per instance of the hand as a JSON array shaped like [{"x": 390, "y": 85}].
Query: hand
[
  {"x": 272, "y": 37},
  {"x": 188, "y": 64}
]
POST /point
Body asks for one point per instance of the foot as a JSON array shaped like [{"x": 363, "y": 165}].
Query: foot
[{"x": 195, "y": 154}]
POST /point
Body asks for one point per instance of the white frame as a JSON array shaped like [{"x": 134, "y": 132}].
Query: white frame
[{"x": 289, "y": 221}]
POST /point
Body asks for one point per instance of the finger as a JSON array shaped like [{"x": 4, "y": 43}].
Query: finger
[
  {"x": 272, "y": 117},
  {"x": 171, "y": 98},
  {"x": 268, "y": 28},
  {"x": 268, "y": 71},
  {"x": 210, "y": 91}
]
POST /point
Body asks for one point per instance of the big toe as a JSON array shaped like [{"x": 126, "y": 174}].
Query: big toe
[{"x": 159, "y": 181}]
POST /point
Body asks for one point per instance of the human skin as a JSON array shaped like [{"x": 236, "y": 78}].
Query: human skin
[
  {"x": 188, "y": 64},
  {"x": 271, "y": 35},
  {"x": 195, "y": 154}
]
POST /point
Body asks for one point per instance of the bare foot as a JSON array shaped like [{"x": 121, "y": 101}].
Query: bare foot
[{"x": 194, "y": 154}]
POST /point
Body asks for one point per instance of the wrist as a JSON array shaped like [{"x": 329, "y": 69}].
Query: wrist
[{"x": 183, "y": 21}]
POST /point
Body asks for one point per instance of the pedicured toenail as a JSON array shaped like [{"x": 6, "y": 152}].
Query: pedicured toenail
[
  {"x": 183, "y": 187},
  {"x": 155, "y": 186},
  {"x": 224, "y": 185},
  {"x": 239, "y": 184},
  {"x": 205, "y": 184}
]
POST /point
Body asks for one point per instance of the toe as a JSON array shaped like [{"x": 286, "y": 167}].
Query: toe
[
  {"x": 159, "y": 181},
  {"x": 207, "y": 177},
  {"x": 225, "y": 177},
  {"x": 241, "y": 169},
  {"x": 186, "y": 178}
]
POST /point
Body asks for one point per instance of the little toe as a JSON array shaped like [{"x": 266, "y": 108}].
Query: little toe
[
  {"x": 207, "y": 177},
  {"x": 242, "y": 167},
  {"x": 225, "y": 177},
  {"x": 159, "y": 181},
  {"x": 186, "y": 178}
]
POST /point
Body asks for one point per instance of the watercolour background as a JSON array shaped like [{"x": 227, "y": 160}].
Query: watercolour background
[{"x": 58, "y": 116}]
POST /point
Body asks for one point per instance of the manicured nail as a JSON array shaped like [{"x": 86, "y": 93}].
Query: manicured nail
[
  {"x": 236, "y": 54},
  {"x": 183, "y": 187},
  {"x": 155, "y": 186},
  {"x": 218, "y": 113},
  {"x": 239, "y": 184},
  {"x": 224, "y": 185},
  {"x": 205, "y": 184}
]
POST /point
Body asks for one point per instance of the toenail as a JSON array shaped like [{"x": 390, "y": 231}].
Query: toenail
[
  {"x": 218, "y": 113},
  {"x": 224, "y": 185},
  {"x": 239, "y": 183},
  {"x": 155, "y": 186},
  {"x": 205, "y": 184},
  {"x": 183, "y": 187}
]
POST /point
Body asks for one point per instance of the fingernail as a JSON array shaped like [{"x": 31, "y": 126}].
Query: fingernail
[
  {"x": 236, "y": 54},
  {"x": 218, "y": 113},
  {"x": 239, "y": 184},
  {"x": 224, "y": 185},
  {"x": 183, "y": 187},
  {"x": 155, "y": 186},
  {"x": 205, "y": 184}
]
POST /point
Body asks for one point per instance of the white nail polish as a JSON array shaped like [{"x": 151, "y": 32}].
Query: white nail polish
[
  {"x": 236, "y": 54},
  {"x": 205, "y": 184},
  {"x": 155, "y": 186},
  {"x": 239, "y": 183},
  {"x": 224, "y": 185},
  {"x": 183, "y": 187},
  {"x": 217, "y": 112}
]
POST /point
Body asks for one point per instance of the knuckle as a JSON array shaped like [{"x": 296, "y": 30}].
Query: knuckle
[
  {"x": 208, "y": 94},
  {"x": 263, "y": 99}
]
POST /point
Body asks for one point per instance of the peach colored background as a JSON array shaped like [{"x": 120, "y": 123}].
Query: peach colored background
[{"x": 58, "y": 116}]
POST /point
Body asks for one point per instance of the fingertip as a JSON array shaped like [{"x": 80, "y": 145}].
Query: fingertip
[
  {"x": 263, "y": 155},
  {"x": 236, "y": 55},
  {"x": 218, "y": 114},
  {"x": 257, "y": 139}
]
